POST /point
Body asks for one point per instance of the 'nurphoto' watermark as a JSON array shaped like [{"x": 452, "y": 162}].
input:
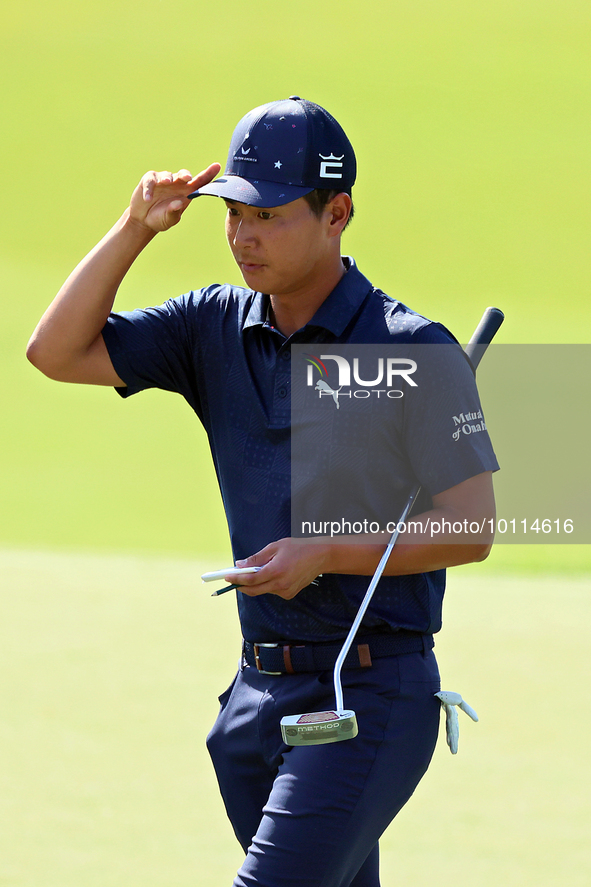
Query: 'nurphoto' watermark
[{"x": 369, "y": 422}]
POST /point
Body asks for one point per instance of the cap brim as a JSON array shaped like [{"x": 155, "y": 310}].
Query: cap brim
[{"x": 254, "y": 193}]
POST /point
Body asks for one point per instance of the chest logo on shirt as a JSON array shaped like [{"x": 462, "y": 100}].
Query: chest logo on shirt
[
  {"x": 468, "y": 423},
  {"x": 331, "y": 384}
]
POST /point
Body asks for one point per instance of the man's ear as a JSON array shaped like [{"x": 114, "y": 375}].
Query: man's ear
[{"x": 338, "y": 209}]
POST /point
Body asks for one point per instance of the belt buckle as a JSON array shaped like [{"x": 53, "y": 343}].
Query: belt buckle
[{"x": 257, "y": 659}]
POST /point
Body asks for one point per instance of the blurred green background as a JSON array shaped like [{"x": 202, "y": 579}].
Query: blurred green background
[{"x": 472, "y": 130}]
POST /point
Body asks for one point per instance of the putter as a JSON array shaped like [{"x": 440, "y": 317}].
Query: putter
[{"x": 320, "y": 727}]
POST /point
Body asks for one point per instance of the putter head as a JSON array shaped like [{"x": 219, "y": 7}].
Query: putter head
[{"x": 318, "y": 727}]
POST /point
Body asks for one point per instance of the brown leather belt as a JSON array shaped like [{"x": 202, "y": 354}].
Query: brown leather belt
[{"x": 294, "y": 658}]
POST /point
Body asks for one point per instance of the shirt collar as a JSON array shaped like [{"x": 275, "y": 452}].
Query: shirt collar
[
  {"x": 336, "y": 311},
  {"x": 257, "y": 313}
]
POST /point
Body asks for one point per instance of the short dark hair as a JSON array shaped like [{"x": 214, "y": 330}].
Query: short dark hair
[{"x": 318, "y": 199}]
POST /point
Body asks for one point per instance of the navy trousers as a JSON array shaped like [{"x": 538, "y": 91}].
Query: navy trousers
[{"x": 311, "y": 816}]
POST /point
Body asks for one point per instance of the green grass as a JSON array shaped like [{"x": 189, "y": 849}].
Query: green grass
[{"x": 111, "y": 667}]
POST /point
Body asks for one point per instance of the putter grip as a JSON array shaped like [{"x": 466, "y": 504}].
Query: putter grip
[{"x": 484, "y": 334}]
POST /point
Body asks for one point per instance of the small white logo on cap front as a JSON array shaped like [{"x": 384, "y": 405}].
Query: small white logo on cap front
[{"x": 330, "y": 163}]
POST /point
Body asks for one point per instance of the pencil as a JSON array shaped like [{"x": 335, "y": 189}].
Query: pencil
[{"x": 224, "y": 590}]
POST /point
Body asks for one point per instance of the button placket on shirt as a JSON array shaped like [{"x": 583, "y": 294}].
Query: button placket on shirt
[{"x": 282, "y": 386}]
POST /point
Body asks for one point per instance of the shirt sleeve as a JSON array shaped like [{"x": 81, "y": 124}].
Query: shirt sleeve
[
  {"x": 445, "y": 432},
  {"x": 156, "y": 348}
]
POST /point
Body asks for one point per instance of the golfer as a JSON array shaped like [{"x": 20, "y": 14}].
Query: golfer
[{"x": 305, "y": 815}]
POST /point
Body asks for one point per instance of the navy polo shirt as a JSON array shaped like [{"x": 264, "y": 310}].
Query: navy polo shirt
[{"x": 217, "y": 348}]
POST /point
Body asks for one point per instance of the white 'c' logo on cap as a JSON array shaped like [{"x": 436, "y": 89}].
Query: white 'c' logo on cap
[{"x": 331, "y": 163}]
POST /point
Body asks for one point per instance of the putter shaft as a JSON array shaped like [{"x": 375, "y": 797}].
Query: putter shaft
[{"x": 338, "y": 687}]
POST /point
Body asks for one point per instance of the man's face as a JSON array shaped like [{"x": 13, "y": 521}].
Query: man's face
[{"x": 280, "y": 250}]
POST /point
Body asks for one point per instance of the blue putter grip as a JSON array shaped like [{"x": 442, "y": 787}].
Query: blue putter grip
[{"x": 484, "y": 334}]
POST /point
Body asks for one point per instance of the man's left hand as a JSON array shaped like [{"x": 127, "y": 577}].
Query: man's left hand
[{"x": 287, "y": 566}]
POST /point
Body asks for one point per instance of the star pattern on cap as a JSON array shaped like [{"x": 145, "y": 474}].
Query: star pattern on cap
[{"x": 278, "y": 164}]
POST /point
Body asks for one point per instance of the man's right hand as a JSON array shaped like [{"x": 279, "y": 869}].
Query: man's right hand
[{"x": 161, "y": 198}]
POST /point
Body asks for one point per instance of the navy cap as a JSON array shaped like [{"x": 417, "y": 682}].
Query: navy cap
[{"x": 283, "y": 150}]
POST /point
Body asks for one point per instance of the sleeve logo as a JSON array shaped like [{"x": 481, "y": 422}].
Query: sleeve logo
[{"x": 467, "y": 424}]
